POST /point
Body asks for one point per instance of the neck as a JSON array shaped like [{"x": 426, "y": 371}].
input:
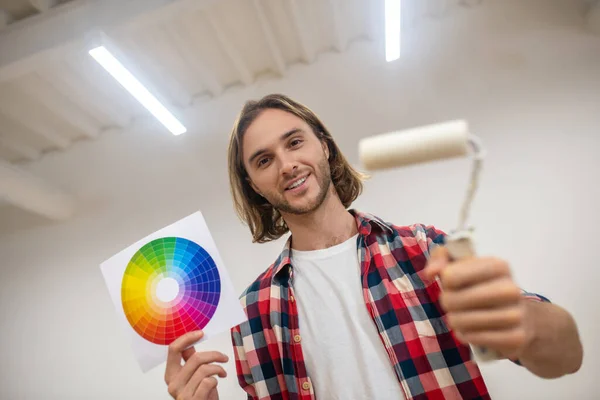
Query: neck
[{"x": 328, "y": 225}]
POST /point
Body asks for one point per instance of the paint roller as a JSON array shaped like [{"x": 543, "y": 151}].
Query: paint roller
[{"x": 426, "y": 144}]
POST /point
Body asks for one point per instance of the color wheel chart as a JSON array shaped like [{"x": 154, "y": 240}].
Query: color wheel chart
[{"x": 170, "y": 286}]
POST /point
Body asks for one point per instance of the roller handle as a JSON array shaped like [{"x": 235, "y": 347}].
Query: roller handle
[{"x": 460, "y": 245}]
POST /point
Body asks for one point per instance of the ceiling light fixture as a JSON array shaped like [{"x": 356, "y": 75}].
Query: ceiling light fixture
[
  {"x": 137, "y": 90},
  {"x": 392, "y": 29}
]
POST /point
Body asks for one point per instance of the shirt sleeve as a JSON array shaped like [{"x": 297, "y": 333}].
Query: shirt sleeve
[
  {"x": 241, "y": 364},
  {"x": 534, "y": 296}
]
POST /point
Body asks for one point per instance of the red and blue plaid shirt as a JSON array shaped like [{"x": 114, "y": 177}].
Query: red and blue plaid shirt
[{"x": 428, "y": 360}]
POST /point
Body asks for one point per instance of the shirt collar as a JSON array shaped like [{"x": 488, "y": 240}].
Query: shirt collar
[{"x": 366, "y": 224}]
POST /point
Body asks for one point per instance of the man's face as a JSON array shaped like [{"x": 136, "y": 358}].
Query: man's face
[{"x": 287, "y": 164}]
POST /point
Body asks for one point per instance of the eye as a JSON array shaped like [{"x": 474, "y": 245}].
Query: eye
[
  {"x": 263, "y": 161},
  {"x": 295, "y": 142}
]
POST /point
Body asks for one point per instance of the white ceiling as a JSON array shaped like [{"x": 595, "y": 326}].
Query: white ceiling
[
  {"x": 186, "y": 51},
  {"x": 53, "y": 94}
]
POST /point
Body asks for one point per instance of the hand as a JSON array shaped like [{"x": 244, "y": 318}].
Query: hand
[
  {"x": 194, "y": 380},
  {"x": 483, "y": 304}
]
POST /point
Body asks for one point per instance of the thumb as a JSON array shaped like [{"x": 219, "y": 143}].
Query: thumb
[{"x": 438, "y": 259}]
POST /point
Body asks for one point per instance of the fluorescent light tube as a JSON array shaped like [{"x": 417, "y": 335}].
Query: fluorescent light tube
[
  {"x": 137, "y": 90},
  {"x": 392, "y": 29}
]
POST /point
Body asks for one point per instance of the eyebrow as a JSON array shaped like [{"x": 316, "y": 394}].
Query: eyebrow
[{"x": 281, "y": 139}]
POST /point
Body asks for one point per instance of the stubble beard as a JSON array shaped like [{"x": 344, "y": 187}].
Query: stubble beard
[{"x": 324, "y": 181}]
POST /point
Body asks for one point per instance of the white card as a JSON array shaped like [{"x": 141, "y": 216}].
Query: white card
[{"x": 168, "y": 283}]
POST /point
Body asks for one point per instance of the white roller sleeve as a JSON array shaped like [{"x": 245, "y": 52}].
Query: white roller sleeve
[{"x": 413, "y": 146}]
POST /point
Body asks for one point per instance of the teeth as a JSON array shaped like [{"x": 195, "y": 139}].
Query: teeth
[{"x": 297, "y": 183}]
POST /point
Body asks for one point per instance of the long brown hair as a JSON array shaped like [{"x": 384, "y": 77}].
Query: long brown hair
[{"x": 265, "y": 222}]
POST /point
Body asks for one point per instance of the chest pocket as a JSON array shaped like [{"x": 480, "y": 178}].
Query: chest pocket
[
  {"x": 424, "y": 309},
  {"x": 421, "y": 308},
  {"x": 415, "y": 300}
]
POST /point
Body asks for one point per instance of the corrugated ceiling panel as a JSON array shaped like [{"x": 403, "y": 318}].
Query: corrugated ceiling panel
[
  {"x": 210, "y": 50},
  {"x": 66, "y": 81},
  {"x": 240, "y": 21},
  {"x": 83, "y": 71},
  {"x": 7, "y": 155},
  {"x": 310, "y": 26},
  {"x": 27, "y": 110},
  {"x": 154, "y": 54},
  {"x": 321, "y": 12},
  {"x": 14, "y": 131},
  {"x": 283, "y": 27},
  {"x": 178, "y": 55},
  {"x": 355, "y": 15},
  {"x": 38, "y": 89}
]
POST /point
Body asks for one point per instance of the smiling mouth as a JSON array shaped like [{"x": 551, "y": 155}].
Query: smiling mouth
[{"x": 297, "y": 183}]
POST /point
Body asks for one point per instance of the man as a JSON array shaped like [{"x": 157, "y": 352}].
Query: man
[{"x": 353, "y": 307}]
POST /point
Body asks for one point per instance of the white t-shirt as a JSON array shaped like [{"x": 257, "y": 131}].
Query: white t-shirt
[{"x": 343, "y": 352}]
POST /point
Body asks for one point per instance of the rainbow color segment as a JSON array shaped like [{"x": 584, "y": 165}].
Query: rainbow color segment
[{"x": 191, "y": 276}]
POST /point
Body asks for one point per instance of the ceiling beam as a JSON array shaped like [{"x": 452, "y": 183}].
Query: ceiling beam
[
  {"x": 307, "y": 50},
  {"x": 61, "y": 106},
  {"x": 339, "y": 38},
  {"x": 80, "y": 94},
  {"x": 33, "y": 194},
  {"x": 267, "y": 30},
  {"x": 206, "y": 76},
  {"x": 239, "y": 64},
  {"x": 17, "y": 112},
  {"x": 21, "y": 149},
  {"x": 166, "y": 89},
  {"x": 43, "y": 5},
  {"x": 31, "y": 42}
]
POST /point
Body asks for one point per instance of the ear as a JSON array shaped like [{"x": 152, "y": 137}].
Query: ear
[{"x": 325, "y": 148}]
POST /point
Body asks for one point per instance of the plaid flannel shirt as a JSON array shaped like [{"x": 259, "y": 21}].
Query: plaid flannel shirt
[{"x": 428, "y": 360}]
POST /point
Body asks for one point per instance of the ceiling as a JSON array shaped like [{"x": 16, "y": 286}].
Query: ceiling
[
  {"x": 53, "y": 94},
  {"x": 21, "y": 9}
]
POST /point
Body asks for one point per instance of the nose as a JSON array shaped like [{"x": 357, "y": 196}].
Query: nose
[{"x": 288, "y": 165}]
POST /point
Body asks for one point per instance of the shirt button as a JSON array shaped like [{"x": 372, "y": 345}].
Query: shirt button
[
  {"x": 297, "y": 338},
  {"x": 306, "y": 386}
]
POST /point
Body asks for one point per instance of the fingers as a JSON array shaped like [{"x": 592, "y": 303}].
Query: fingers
[
  {"x": 483, "y": 305},
  {"x": 197, "y": 362},
  {"x": 203, "y": 373},
  {"x": 491, "y": 294},
  {"x": 195, "y": 369},
  {"x": 206, "y": 386},
  {"x": 438, "y": 260},
  {"x": 506, "y": 341},
  {"x": 478, "y": 320},
  {"x": 180, "y": 348},
  {"x": 473, "y": 271}
]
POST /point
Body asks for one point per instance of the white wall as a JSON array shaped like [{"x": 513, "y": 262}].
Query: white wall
[{"x": 530, "y": 90}]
